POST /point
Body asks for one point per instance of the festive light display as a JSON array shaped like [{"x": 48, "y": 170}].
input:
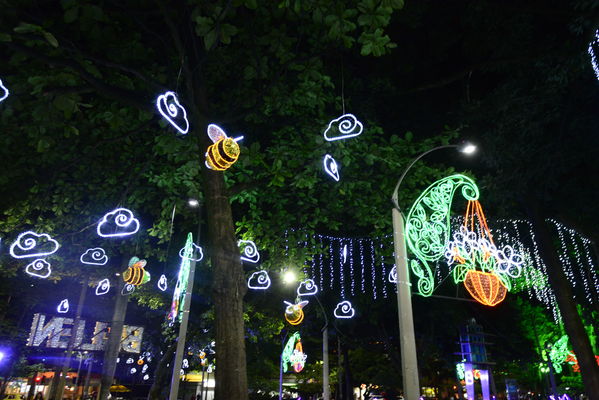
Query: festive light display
[
  {"x": 344, "y": 127},
  {"x": 591, "y": 50},
  {"x": 294, "y": 313},
  {"x": 428, "y": 225},
  {"x": 259, "y": 280},
  {"x": 63, "y": 306},
  {"x": 95, "y": 256},
  {"x": 293, "y": 354},
  {"x": 39, "y": 268},
  {"x": 185, "y": 363},
  {"x": 135, "y": 274},
  {"x": 558, "y": 353},
  {"x": 162, "y": 283},
  {"x": 129, "y": 361},
  {"x": 168, "y": 105},
  {"x": 249, "y": 251},
  {"x": 307, "y": 287},
  {"x": 31, "y": 244},
  {"x": 103, "y": 287},
  {"x": 344, "y": 310},
  {"x": 197, "y": 253},
  {"x": 485, "y": 287},
  {"x": 330, "y": 167},
  {"x": 393, "y": 275},
  {"x": 460, "y": 370},
  {"x": 182, "y": 278},
  {"x": 224, "y": 152},
  {"x": 127, "y": 289},
  {"x": 573, "y": 361},
  {"x": 118, "y": 223},
  {"x": 3, "y": 92}
]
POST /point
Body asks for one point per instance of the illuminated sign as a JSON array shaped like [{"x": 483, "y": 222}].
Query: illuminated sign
[{"x": 55, "y": 333}]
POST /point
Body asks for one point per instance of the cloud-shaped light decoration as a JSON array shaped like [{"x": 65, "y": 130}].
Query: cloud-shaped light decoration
[
  {"x": 393, "y": 275},
  {"x": 249, "y": 251},
  {"x": 118, "y": 222},
  {"x": 95, "y": 256},
  {"x": 344, "y": 310},
  {"x": 162, "y": 283},
  {"x": 3, "y": 92},
  {"x": 31, "y": 244},
  {"x": 330, "y": 167},
  {"x": 259, "y": 280},
  {"x": 168, "y": 105},
  {"x": 103, "y": 287},
  {"x": 196, "y": 250},
  {"x": 63, "y": 307},
  {"x": 127, "y": 289},
  {"x": 39, "y": 268},
  {"x": 344, "y": 127},
  {"x": 307, "y": 288}
]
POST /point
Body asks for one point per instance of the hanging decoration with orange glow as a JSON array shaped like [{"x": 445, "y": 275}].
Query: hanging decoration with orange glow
[
  {"x": 485, "y": 270},
  {"x": 293, "y": 354},
  {"x": 294, "y": 313},
  {"x": 225, "y": 150}
]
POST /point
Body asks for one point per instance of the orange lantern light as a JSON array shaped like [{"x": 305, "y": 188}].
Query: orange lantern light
[{"x": 485, "y": 287}]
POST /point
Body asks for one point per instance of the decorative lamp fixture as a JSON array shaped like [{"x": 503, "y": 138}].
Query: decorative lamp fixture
[{"x": 224, "y": 152}]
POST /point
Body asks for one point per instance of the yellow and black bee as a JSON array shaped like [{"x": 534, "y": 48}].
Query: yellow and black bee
[
  {"x": 224, "y": 152},
  {"x": 136, "y": 274}
]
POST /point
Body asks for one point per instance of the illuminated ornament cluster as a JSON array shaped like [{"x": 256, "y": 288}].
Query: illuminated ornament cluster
[
  {"x": 591, "y": 50},
  {"x": 293, "y": 354},
  {"x": 249, "y": 251},
  {"x": 176, "y": 312},
  {"x": 558, "y": 353},
  {"x": 330, "y": 167},
  {"x": 31, "y": 244},
  {"x": 135, "y": 274},
  {"x": 95, "y": 256},
  {"x": 573, "y": 361},
  {"x": 117, "y": 223},
  {"x": 307, "y": 288},
  {"x": 294, "y": 313},
  {"x": 259, "y": 280},
  {"x": 223, "y": 152},
  {"x": 344, "y": 310},
  {"x": 428, "y": 225},
  {"x": 63, "y": 306},
  {"x": 344, "y": 127},
  {"x": 3, "y": 92},
  {"x": 39, "y": 268},
  {"x": 103, "y": 287},
  {"x": 169, "y": 107},
  {"x": 162, "y": 283}
]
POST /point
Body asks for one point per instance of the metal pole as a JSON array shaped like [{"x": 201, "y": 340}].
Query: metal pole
[
  {"x": 182, "y": 334},
  {"x": 409, "y": 362},
  {"x": 326, "y": 389},
  {"x": 90, "y": 361}
]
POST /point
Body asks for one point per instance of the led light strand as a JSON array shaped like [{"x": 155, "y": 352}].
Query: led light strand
[
  {"x": 383, "y": 270},
  {"x": 103, "y": 287},
  {"x": 351, "y": 268},
  {"x": 3, "y": 92},
  {"x": 162, "y": 283},
  {"x": 320, "y": 264},
  {"x": 591, "y": 51},
  {"x": 373, "y": 269},
  {"x": 344, "y": 127},
  {"x": 122, "y": 222},
  {"x": 39, "y": 268},
  {"x": 63, "y": 306},
  {"x": 331, "y": 264},
  {"x": 361, "y": 250},
  {"x": 176, "y": 312},
  {"x": 344, "y": 310},
  {"x": 169, "y": 107},
  {"x": 342, "y": 271},
  {"x": 28, "y": 245},
  {"x": 249, "y": 251},
  {"x": 307, "y": 288},
  {"x": 259, "y": 280},
  {"x": 95, "y": 256}
]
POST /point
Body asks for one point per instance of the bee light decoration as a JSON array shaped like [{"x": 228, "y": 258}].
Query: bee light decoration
[
  {"x": 225, "y": 150},
  {"x": 136, "y": 274},
  {"x": 294, "y": 313}
]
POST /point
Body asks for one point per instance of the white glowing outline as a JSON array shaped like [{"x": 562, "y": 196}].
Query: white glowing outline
[
  {"x": 146, "y": 377},
  {"x": 38, "y": 265},
  {"x": 95, "y": 256},
  {"x": 262, "y": 280},
  {"x": 307, "y": 288},
  {"x": 592, "y": 53},
  {"x": 103, "y": 287},
  {"x": 185, "y": 363},
  {"x": 127, "y": 289},
  {"x": 344, "y": 254},
  {"x": 172, "y": 110},
  {"x": 162, "y": 283},
  {"x": 393, "y": 275},
  {"x": 30, "y": 244},
  {"x": 250, "y": 251},
  {"x": 129, "y": 361},
  {"x": 347, "y": 127},
  {"x": 63, "y": 307},
  {"x": 6, "y": 92},
  {"x": 144, "y": 369},
  {"x": 123, "y": 218},
  {"x": 133, "y": 370},
  {"x": 330, "y": 167},
  {"x": 291, "y": 308},
  {"x": 195, "y": 247},
  {"x": 344, "y": 310}
]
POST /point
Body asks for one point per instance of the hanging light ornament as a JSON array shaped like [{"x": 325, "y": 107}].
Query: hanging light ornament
[
  {"x": 136, "y": 274},
  {"x": 294, "y": 313},
  {"x": 225, "y": 150}
]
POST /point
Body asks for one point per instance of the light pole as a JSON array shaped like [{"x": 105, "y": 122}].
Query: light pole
[{"x": 409, "y": 361}]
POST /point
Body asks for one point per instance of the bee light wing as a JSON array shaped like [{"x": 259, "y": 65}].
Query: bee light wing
[
  {"x": 303, "y": 303},
  {"x": 215, "y": 133}
]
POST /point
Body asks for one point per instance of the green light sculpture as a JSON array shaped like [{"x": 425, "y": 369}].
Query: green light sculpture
[
  {"x": 176, "y": 312},
  {"x": 428, "y": 225},
  {"x": 293, "y": 354},
  {"x": 558, "y": 353}
]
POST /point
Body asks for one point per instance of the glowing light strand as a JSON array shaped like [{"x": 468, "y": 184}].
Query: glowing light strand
[
  {"x": 162, "y": 283},
  {"x": 29, "y": 244},
  {"x": 169, "y": 107},
  {"x": 176, "y": 312},
  {"x": 331, "y": 167},
  {"x": 591, "y": 50},
  {"x": 307, "y": 288},
  {"x": 95, "y": 256},
  {"x": 250, "y": 251},
  {"x": 3, "y": 92},
  {"x": 344, "y": 127},
  {"x": 118, "y": 223},
  {"x": 259, "y": 280},
  {"x": 39, "y": 268},
  {"x": 63, "y": 306},
  {"x": 103, "y": 287},
  {"x": 344, "y": 310}
]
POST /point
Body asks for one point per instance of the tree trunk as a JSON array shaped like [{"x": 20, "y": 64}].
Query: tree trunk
[
  {"x": 563, "y": 293},
  {"x": 162, "y": 373},
  {"x": 114, "y": 341},
  {"x": 229, "y": 287}
]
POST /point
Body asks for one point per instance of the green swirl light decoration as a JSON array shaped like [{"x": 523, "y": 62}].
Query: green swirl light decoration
[
  {"x": 558, "y": 353},
  {"x": 428, "y": 225}
]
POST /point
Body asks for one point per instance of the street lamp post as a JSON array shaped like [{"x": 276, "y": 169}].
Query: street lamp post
[{"x": 409, "y": 361}]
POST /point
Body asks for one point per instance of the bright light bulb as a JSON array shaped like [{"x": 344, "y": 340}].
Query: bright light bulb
[
  {"x": 289, "y": 277},
  {"x": 467, "y": 148},
  {"x": 193, "y": 203}
]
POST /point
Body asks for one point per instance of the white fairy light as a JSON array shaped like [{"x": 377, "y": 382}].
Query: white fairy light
[
  {"x": 3, "y": 91},
  {"x": 95, "y": 256},
  {"x": 344, "y": 310},
  {"x": 249, "y": 251},
  {"x": 39, "y": 268},
  {"x": 103, "y": 287},
  {"x": 118, "y": 222},
  {"x": 307, "y": 288},
  {"x": 344, "y": 127},
  {"x": 259, "y": 280},
  {"x": 168, "y": 105},
  {"x": 196, "y": 250},
  {"x": 30, "y": 244},
  {"x": 383, "y": 270},
  {"x": 330, "y": 167},
  {"x": 63, "y": 306},
  {"x": 162, "y": 283},
  {"x": 591, "y": 51}
]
